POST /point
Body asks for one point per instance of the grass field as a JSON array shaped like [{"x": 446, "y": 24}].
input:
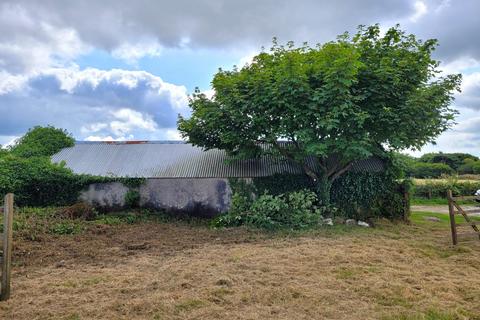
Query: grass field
[{"x": 174, "y": 270}]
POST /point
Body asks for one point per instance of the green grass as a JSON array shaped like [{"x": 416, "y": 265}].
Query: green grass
[
  {"x": 418, "y": 217},
  {"x": 436, "y": 201}
]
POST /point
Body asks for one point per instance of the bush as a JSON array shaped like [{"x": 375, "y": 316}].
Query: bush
[
  {"x": 429, "y": 170},
  {"x": 132, "y": 198},
  {"x": 295, "y": 210}
]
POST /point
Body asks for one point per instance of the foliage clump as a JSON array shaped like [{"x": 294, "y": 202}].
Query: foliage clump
[
  {"x": 42, "y": 142},
  {"x": 27, "y": 171},
  {"x": 132, "y": 199},
  {"x": 429, "y": 170},
  {"x": 295, "y": 210}
]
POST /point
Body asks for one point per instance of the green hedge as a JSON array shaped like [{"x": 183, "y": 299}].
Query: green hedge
[
  {"x": 438, "y": 189},
  {"x": 36, "y": 181}
]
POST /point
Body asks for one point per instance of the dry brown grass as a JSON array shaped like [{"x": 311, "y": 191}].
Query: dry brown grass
[{"x": 186, "y": 272}]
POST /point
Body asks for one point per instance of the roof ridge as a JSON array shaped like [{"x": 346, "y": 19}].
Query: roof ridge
[{"x": 122, "y": 142}]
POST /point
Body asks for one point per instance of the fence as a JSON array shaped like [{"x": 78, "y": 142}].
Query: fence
[
  {"x": 6, "y": 245},
  {"x": 454, "y": 209}
]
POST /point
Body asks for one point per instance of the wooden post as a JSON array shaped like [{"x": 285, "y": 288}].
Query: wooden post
[
  {"x": 7, "y": 247},
  {"x": 406, "y": 199},
  {"x": 451, "y": 211}
]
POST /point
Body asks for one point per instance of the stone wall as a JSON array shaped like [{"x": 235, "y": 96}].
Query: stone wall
[{"x": 198, "y": 197}]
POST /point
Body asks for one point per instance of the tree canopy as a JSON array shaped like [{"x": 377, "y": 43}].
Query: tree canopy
[
  {"x": 339, "y": 102},
  {"x": 42, "y": 141},
  {"x": 454, "y": 160}
]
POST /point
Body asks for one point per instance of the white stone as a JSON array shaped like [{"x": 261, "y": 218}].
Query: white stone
[
  {"x": 328, "y": 221},
  {"x": 363, "y": 224},
  {"x": 350, "y": 222}
]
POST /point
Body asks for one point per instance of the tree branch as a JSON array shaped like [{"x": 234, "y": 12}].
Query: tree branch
[
  {"x": 309, "y": 172},
  {"x": 341, "y": 171}
]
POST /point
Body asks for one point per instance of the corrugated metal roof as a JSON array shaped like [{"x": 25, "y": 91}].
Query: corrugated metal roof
[{"x": 173, "y": 159}]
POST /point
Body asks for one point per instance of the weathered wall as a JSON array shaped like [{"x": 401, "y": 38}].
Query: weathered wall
[
  {"x": 199, "y": 197},
  {"x": 105, "y": 195}
]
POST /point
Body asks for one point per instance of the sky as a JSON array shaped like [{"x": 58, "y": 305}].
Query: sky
[{"x": 123, "y": 70}]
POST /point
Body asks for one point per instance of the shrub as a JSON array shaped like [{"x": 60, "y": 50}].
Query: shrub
[
  {"x": 295, "y": 210},
  {"x": 429, "y": 170},
  {"x": 132, "y": 199}
]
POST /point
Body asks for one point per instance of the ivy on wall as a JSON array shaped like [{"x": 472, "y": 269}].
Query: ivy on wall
[{"x": 358, "y": 195}]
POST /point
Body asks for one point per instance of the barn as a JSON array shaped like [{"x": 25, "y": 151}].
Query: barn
[{"x": 177, "y": 176}]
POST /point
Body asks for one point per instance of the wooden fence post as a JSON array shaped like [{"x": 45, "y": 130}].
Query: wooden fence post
[
  {"x": 451, "y": 211},
  {"x": 406, "y": 199},
  {"x": 7, "y": 247}
]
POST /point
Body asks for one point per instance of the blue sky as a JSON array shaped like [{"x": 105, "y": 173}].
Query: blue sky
[{"x": 117, "y": 69}]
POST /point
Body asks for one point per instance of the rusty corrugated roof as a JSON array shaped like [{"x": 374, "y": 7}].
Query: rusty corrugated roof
[{"x": 173, "y": 159}]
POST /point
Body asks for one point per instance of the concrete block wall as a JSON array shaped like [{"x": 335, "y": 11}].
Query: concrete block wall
[{"x": 198, "y": 197}]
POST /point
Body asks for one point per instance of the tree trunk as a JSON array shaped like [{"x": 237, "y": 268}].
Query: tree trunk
[{"x": 323, "y": 187}]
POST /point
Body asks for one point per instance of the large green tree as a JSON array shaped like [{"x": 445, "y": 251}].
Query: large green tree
[{"x": 339, "y": 102}]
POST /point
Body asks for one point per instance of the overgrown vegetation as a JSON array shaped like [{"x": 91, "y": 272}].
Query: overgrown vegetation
[
  {"x": 27, "y": 171},
  {"x": 290, "y": 202},
  {"x": 295, "y": 210},
  {"x": 34, "y": 223}
]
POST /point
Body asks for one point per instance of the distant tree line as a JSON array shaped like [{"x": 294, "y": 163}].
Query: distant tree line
[{"x": 435, "y": 165}]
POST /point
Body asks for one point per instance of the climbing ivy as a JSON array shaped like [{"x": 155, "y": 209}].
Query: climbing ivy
[{"x": 358, "y": 195}]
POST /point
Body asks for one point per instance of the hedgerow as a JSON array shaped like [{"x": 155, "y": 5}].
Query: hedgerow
[
  {"x": 36, "y": 181},
  {"x": 438, "y": 189}
]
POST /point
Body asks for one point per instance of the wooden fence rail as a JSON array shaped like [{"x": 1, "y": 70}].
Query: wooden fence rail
[
  {"x": 6, "y": 244},
  {"x": 454, "y": 209}
]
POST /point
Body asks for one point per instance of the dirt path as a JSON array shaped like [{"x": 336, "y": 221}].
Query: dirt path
[
  {"x": 183, "y": 272},
  {"x": 441, "y": 208}
]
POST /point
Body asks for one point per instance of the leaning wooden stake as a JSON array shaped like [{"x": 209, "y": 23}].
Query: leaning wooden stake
[
  {"x": 7, "y": 247},
  {"x": 451, "y": 211}
]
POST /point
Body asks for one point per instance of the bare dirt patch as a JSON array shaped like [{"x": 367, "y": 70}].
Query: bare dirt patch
[{"x": 177, "y": 271}]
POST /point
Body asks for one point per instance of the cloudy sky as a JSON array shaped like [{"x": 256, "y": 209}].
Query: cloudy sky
[{"x": 118, "y": 69}]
